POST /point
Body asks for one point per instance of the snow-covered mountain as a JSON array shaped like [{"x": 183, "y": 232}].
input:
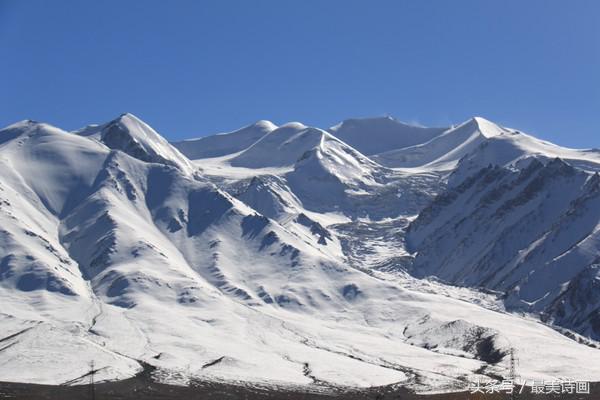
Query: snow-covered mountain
[
  {"x": 377, "y": 135},
  {"x": 224, "y": 143},
  {"x": 443, "y": 151},
  {"x": 524, "y": 232},
  {"x": 482, "y": 142},
  {"x": 283, "y": 255},
  {"x": 134, "y": 137}
]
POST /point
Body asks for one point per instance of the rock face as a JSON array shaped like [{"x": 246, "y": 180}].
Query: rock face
[{"x": 529, "y": 233}]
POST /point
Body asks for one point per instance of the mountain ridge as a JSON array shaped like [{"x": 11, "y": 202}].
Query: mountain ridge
[{"x": 290, "y": 253}]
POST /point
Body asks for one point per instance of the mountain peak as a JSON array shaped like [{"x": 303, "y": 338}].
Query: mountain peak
[
  {"x": 376, "y": 135},
  {"x": 127, "y": 115},
  {"x": 127, "y": 119},
  {"x": 386, "y": 120},
  {"x": 133, "y": 136},
  {"x": 27, "y": 127},
  {"x": 263, "y": 124},
  {"x": 486, "y": 127},
  {"x": 280, "y": 147},
  {"x": 225, "y": 143},
  {"x": 293, "y": 125},
  {"x": 25, "y": 124},
  {"x": 477, "y": 119}
]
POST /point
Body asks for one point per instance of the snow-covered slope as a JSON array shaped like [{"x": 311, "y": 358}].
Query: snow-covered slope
[
  {"x": 482, "y": 142},
  {"x": 378, "y": 135},
  {"x": 134, "y": 137},
  {"x": 444, "y": 150},
  {"x": 280, "y": 147},
  {"x": 224, "y": 143},
  {"x": 527, "y": 232},
  {"x": 305, "y": 176},
  {"x": 114, "y": 246},
  {"x": 514, "y": 147},
  {"x": 313, "y": 170},
  {"x": 459, "y": 153}
]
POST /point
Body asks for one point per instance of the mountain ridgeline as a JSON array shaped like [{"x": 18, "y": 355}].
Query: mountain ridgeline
[{"x": 370, "y": 253}]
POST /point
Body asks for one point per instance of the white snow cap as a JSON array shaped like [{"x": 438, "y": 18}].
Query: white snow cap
[{"x": 281, "y": 255}]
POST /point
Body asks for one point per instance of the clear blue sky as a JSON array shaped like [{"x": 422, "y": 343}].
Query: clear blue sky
[{"x": 191, "y": 68}]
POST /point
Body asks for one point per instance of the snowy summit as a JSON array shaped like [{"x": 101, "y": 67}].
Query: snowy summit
[{"x": 370, "y": 253}]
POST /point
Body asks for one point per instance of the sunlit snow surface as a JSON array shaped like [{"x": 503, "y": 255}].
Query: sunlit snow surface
[{"x": 124, "y": 252}]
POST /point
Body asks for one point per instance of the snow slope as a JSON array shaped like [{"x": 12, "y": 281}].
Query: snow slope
[
  {"x": 482, "y": 142},
  {"x": 134, "y": 137},
  {"x": 377, "y": 135},
  {"x": 442, "y": 151},
  {"x": 513, "y": 148},
  {"x": 224, "y": 143},
  {"x": 284, "y": 146},
  {"x": 527, "y": 232},
  {"x": 452, "y": 157},
  {"x": 114, "y": 246}
]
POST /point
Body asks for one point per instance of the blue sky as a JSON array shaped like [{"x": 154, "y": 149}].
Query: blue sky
[{"x": 190, "y": 68}]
